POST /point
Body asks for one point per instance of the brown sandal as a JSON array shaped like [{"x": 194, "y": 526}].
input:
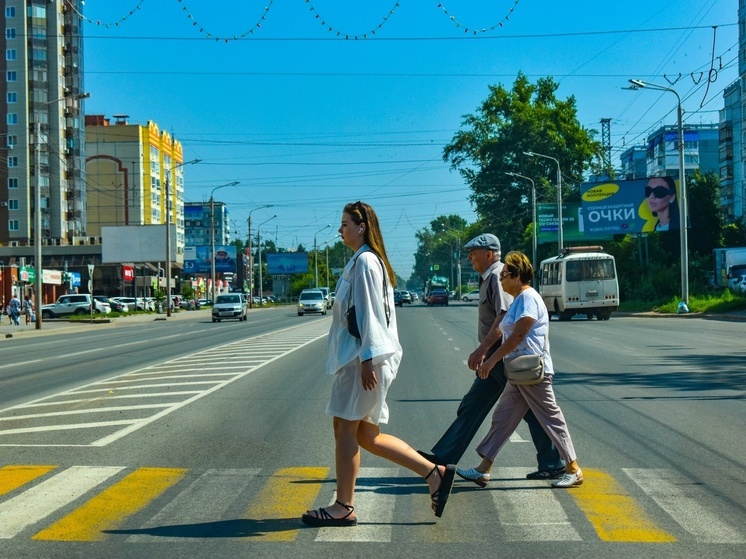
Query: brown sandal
[{"x": 321, "y": 517}]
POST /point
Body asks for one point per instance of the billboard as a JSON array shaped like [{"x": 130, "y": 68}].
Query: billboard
[
  {"x": 136, "y": 243},
  {"x": 573, "y": 229},
  {"x": 631, "y": 206},
  {"x": 197, "y": 259},
  {"x": 279, "y": 263}
]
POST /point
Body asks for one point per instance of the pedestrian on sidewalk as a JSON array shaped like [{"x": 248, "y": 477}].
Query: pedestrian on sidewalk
[
  {"x": 28, "y": 308},
  {"x": 15, "y": 309}
]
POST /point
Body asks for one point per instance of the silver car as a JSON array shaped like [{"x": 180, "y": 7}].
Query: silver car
[
  {"x": 230, "y": 305},
  {"x": 311, "y": 300}
]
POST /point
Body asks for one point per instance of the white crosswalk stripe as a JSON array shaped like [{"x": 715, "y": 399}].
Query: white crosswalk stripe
[
  {"x": 666, "y": 489},
  {"x": 200, "y": 504}
]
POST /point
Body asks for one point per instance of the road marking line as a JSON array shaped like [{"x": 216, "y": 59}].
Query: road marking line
[
  {"x": 666, "y": 488},
  {"x": 76, "y": 412},
  {"x": 64, "y": 427},
  {"x": 110, "y": 508},
  {"x": 13, "y": 477},
  {"x": 108, "y": 397},
  {"x": 615, "y": 515},
  {"x": 199, "y": 511},
  {"x": 285, "y": 496},
  {"x": 377, "y": 507},
  {"x": 517, "y": 508},
  {"x": 43, "y": 499}
]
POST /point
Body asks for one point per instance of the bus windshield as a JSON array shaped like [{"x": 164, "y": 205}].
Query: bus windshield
[{"x": 586, "y": 270}]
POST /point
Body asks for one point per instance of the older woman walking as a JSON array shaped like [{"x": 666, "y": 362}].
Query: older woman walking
[{"x": 525, "y": 329}]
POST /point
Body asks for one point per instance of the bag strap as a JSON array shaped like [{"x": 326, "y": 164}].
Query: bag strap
[{"x": 386, "y": 307}]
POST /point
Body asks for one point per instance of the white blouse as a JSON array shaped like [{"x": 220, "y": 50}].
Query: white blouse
[{"x": 379, "y": 341}]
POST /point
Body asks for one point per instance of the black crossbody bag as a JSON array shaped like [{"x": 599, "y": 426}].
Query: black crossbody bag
[{"x": 351, "y": 313}]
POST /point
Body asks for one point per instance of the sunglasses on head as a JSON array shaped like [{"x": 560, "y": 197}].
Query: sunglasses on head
[{"x": 658, "y": 192}]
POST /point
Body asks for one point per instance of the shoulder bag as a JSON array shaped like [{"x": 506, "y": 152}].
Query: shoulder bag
[
  {"x": 351, "y": 313},
  {"x": 526, "y": 369}
]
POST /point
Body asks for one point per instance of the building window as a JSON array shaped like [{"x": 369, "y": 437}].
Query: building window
[
  {"x": 12, "y": 182},
  {"x": 13, "y": 225},
  {"x": 11, "y": 97},
  {"x": 11, "y": 54},
  {"x": 12, "y": 118},
  {"x": 38, "y": 54},
  {"x": 12, "y": 204},
  {"x": 11, "y": 75},
  {"x": 10, "y": 11},
  {"x": 37, "y": 11},
  {"x": 12, "y": 140},
  {"x": 10, "y": 33},
  {"x": 13, "y": 161}
]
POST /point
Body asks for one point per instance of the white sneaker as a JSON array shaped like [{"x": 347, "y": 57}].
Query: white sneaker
[
  {"x": 569, "y": 480},
  {"x": 472, "y": 474}
]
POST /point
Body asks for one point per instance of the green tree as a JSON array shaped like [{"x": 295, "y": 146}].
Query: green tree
[{"x": 493, "y": 140}]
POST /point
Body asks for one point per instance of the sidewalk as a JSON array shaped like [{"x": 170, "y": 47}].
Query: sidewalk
[{"x": 60, "y": 325}]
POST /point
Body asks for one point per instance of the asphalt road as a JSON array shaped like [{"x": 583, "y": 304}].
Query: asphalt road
[{"x": 183, "y": 438}]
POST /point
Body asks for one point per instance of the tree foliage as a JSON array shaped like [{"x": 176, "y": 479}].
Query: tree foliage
[{"x": 492, "y": 142}]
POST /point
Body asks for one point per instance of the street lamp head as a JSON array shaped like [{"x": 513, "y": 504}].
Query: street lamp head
[
  {"x": 638, "y": 83},
  {"x": 529, "y": 153}
]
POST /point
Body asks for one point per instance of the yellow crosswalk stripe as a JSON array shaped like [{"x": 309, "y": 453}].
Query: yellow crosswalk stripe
[
  {"x": 285, "y": 496},
  {"x": 613, "y": 513},
  {"x": 13, "y": 477},
  {"x": 110, "y": 508}
]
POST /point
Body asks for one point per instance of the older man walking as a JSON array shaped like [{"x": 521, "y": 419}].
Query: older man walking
[{"x": 484, "y": 255}]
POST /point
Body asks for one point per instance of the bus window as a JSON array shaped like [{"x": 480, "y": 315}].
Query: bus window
[{"x": 575, "y": 271}]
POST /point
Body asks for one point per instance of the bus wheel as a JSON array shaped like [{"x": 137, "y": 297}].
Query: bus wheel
[
  {"x": 565, "y": 315},
  {"x": 589, "y": 315},
  {"x": 604, "y": 315}
]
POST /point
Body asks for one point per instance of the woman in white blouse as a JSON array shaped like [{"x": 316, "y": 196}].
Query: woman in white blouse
[{"x": 363, "y": 370}]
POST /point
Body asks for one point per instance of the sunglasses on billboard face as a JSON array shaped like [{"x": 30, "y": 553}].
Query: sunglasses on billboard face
[{"x": 658, "y": 192}]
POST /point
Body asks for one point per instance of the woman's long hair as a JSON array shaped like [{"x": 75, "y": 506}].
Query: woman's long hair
[
  {"x": 360, "y": 212},
  {"x": 674, "y": 221}
]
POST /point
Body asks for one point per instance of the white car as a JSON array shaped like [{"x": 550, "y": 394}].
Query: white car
[
  {"x": 473, "y": 295},
  {"x": 311, "y": 300},
  {"x": 738, "y": 284},
  {"x": 229, "y": 305}
]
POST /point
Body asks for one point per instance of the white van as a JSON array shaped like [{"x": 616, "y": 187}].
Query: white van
[
  {"x": 581, "y": 280},
  {"x": 327, "y": 296}
]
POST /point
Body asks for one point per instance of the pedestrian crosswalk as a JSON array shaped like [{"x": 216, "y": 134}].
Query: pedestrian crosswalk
[{"x": 150, "y": 505}]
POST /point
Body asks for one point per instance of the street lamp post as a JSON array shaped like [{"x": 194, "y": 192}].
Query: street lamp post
[
  {"x": 316, "y": 255},
  {"x": 167, "y": 221},
  {"x": 251, "y": 258},
  {"x": 533, "y": 213},
  {"x": 259, "y": 243},
  {"x": 640, "y": 84},
  {"x": 560, "y": 239},
  {"x": 37, "y": 208},
  {"x": 212, "y": 237}
]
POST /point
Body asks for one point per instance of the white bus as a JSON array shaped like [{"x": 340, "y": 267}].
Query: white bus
[{"x": 581, "y": 280}]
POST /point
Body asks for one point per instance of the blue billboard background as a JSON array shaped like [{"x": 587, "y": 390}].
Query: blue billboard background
[
  {"x": 279, "y": 263},
  {"x": 618, "y": 207},
  {"x": 197, "y": 259}
]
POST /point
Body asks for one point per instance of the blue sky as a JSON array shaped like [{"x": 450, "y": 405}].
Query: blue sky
[{"x": 308, "y": 121}]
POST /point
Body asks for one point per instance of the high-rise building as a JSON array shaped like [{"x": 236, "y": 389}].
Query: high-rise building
[
  {"x": 198, "y": 223},
  {"x": 133, "y": 172},
  {"x": 42, "y": 136},
  {"x": 731, "y": 153},
  {"x": 701, "y": 150}
]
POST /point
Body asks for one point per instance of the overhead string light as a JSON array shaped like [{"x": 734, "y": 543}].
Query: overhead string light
[
  {"x": 115, "y": 23},
  {"x": 342, "y": 34},
  {"x": 466, "y": 29},
  {"x": 209, "y": 35}
]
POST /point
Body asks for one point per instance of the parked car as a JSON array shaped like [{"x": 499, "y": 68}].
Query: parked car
[
  {"x": 406, "y": 297},
  {"x": 204, "y": 302},
  {"x": 73, "y": 304},
  {"x": 437, "y": 297},
  {"x": 139, "y": 304},
  {"x": 103, "y": 300},
  {"x": 229, "y": 305},
  {"x": 116, "y": 306},
  {"x": 473, "y": 295},
  {"x": 738, "y": 284},
  {"x": 311, "y": 300}
]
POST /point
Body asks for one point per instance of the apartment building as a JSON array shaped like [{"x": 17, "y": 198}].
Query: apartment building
[{"x": 42, "y": 133}]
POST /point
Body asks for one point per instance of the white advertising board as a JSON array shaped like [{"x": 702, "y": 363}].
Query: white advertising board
[{"x": 136, "y": 243}]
